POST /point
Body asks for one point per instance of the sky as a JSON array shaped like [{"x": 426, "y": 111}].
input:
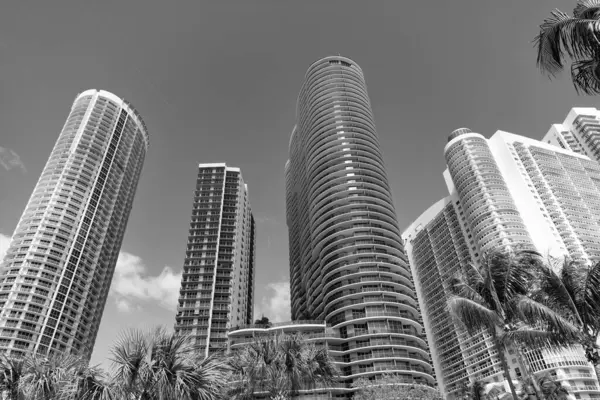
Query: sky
[{"x": 218, "y": 82}]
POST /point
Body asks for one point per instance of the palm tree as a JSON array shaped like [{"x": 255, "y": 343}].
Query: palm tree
[
  {"x": 576, "y": 37},
  {"x": 11, "y": 372},
  {"x": 280, "y": 365},
  {"x": 575, "y": 293},
  {"x": 59, "y": 376},
  {"x": 493, "y": 298},
  {"x": 478, "y": 390},
  {"x": 89, "y": 383},
  {"x": 49, "y": 377},
  {"x": 553, "y": 389},
  {"x": 163, "y": 366}
]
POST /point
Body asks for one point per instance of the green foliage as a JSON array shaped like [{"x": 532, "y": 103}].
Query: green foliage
[
  {"x": 574, "y": 37},
  {"x": 280, "y": 365},
  {"x": 390, "y": 387}
]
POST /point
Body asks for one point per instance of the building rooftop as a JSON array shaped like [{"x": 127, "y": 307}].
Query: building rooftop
[{"x": 458, "y": 132}]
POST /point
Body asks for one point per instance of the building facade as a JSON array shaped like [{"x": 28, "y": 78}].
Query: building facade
[
  {"x": 504, "y": 192},
  {"x": 347, "y": 262},
  {"x": 580, "y": 132},
  {"x": 57, "y": 271},
  {"x": 217, "y": 285}
]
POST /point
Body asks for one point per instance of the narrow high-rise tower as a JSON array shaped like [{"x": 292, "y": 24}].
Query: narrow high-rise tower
[
  {"x": 347, "y": 262},
  {"x": 58, "y": 268},
  {"x": 217, "y": 285}
]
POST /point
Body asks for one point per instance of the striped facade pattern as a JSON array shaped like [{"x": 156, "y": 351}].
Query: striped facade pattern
[
  {"x": 217, "y": 284},
  {"x": 489, "y": 209},
  {"x": 438, "y": 251},
  {"x": 347, "y": 263},
  {"x": 506, "y": 192},
  {"x": 56, "y": 274}
]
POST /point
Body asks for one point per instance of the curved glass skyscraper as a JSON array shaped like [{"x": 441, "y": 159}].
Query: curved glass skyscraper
[
  {"x": 56, "y": 274},
  {"x": 347, "y": 262}
]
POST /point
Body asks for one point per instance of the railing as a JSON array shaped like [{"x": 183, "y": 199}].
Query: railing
[
  {"x": 279, "y": 324},
  {"x": 584, "y": 388}
]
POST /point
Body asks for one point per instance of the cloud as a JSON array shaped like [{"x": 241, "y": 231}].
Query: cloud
[
  {"x": 132, "y": 285},
  {"x": 264, "y": 220},
  {"x": 4, "y": 241},
  {"x": 9, "y": 160},
  {"x": 275, "y": 304},
  {"x": 125, "y": 306}
]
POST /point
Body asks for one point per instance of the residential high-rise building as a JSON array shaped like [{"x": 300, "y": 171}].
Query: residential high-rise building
[
  {"x": 347, "y": 262},
  {"x": 217, "y": 285},
  {"x": 437, "y": 250},
  {"x": 57, "y": 271},
  {"x": 580, "y": 132},
  {"x": 506, "y": 192}
]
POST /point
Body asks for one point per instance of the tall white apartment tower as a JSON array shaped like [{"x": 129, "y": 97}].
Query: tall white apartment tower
[
  {"x": 505, "y": 192},
  {"x": 580, "y": 132},
  {"x": 347, "y": 261},
  {"x": 57, "y": 271},
  {"x": 217, "y": 285}
]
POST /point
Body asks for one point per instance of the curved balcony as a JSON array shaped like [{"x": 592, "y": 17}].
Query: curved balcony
[{"x": 348, "y": 248}]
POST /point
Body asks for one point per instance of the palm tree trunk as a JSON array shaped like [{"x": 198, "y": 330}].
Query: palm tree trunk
[
  {"x": 500, "y": 349},
  {"x": 531, "y": 377}
]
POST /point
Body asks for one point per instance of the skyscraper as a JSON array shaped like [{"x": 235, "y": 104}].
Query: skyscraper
[
  {"x": 59, "y": 265},
  {"x": 347, "y": 262},
  {"x": 580, "y": 132},
  {"x": 506, "y": 191},
  {"x": 217, "y": 285}
]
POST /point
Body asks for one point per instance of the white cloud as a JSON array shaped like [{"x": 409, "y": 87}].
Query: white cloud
[
  {"x": 4, "y": 241},
  {"x": 9, "y": 160},
  {"x": 132, "y": 286},
  {"x": 276, "y": 303}
]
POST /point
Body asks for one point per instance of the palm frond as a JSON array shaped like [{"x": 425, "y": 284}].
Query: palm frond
[
  {"x": 512, "y": 273},
  {"x": 552, "y": 388},
  {"x": 569, "y": 275},
  {"x": 586, "y": 9},
  {"x": 550, "y": 56},
  {"x": 472, "y": 315},
  {"x": 555, "y": 291},
  {"x": 562, "y": 35},
  {"x": 12, "y": 371},
  {"x": 210, "y": 376},
  {"x": 88, "y": 383},
  {"x": 585, "y": 76},
  {"x": 279, "y": 365},
  {"x": 540, "y": 338},
  {"x": 588, "y": 295},
  {"x": 473, "y": 276},
  {"x": 130, "y": 360},
  {"x": 50, "y": 377},
  {"x": 460, "y": 287},
  {"x": 537, "y": 314},
  {"x": 491, "y": 267}
]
